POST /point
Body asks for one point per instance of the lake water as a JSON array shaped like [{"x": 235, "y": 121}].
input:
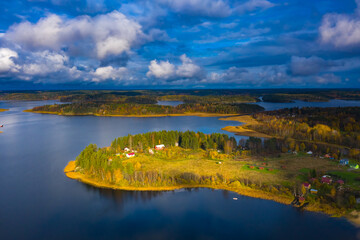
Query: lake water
[
  {"x": 37, "y": 201},
  {"x": 170, "y": 103},
  {"x": 332, "y": 103}
]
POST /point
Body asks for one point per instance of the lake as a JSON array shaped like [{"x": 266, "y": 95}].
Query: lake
[{"x": 39, "y": 202}]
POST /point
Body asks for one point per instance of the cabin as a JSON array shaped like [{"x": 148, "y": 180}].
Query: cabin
[
  {"x": 126, "y": 149},
  {"x": 340, "y": 182},
  {"x": 130, "y": 155},
  {"x": 307, "y": 185},
  {"x": 313, "y": 191},
  {"x": 151, "y": 151},
  {"x": 309, "y": 152},
  {"x": 326, "y": 179},
  {"x": 159, "y": 147},
  {"x": 354, "y": 166},
  {"x": 344, "y": 161},
  {"x": 301, "y": 199},
  {"x": 327, "y": 155},
  {"x": 109, "y": 159}
]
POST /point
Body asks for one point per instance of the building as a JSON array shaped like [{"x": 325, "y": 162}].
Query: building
[
  {"x": 309, "y": 152},
  {"x": 151, "y": 151},
  {"x": 326, "y": 179},
  {"x": 126, "y": 149},
  {"x": 313, "y": 191},
  {"x": 341, "y": 182},
  {"x": 159, "y": 147},
  {"x": 307, "y": 185},
  {"x": 130, "y": 155},
  {"x": 344, "y": 161}
]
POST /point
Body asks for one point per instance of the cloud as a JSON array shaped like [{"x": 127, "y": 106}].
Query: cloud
[
  {"x": 109, "y": 73},
  {"x": 45, "y": 62},
  {"x": 7, "y": 57},
  {"x": 187, "y": 69},
  {"x": 341, "y": 30},
  {"x": 163, "y": 69},
  {"x": 167, "y": 70},
  {"x": 302, "y": 66},
  {"x": 327, "y": 78},
  {"x": 253, "y": 5},
  {"x": 104, "y": 35}
]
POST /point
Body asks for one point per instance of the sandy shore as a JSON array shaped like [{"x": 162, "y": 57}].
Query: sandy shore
[
  {"x": 242, "y": 129},
  {"x": 353, "y": 217}
]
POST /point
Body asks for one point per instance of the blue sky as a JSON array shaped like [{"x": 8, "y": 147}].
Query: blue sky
[{"x": 179, "y": 44}]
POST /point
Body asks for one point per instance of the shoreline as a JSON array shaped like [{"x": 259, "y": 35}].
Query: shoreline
[
  {"x": 242, "y": 130},
  {"x": 353, "y": 217},
  {"x": 198, "y": 114},
  {"x": 3, "y": 109}
]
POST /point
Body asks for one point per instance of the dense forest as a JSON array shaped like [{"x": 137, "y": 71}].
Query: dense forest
[
  {"x": 96, "y": 108},
  {"x": 337, "y": 126}
]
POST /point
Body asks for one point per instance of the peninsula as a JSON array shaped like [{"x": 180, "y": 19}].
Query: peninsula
[{"x": 170, "y": 160}]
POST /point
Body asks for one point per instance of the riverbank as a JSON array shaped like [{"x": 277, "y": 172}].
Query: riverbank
[
  {"x": 353, "y": 217},
  {"x": 198, "y": 114},
  {"x": 242, "y": 129}
]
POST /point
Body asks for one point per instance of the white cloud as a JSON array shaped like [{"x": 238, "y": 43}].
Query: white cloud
[
  {"x": 163, "y": 69},
  {"x": 253, "y": 5},
  {"x": 327, "y": 78},
  {"x": 167, "y": 70},
  {"x": 45, "y": 62},
  {"x": 341, "y": 30},
  {"x": 306, "y": 66},
  {"x": 105, "y": 35},
  {"x": 6, "y": 60},
  {"x": 109, "y": 73},
  {"x": 187, "y": 69}
]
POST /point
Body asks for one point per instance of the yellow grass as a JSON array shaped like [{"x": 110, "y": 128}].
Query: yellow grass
[
  {"x": 243, "y": 129},
  {"x": 3, "y": 110}
]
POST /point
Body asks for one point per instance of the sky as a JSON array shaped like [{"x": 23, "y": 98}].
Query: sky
[{"x": 113, "y": 44}]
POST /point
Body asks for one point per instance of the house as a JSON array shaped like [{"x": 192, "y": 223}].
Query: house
[
  {"x": 126, "y": 149},
  {"x": 301, "y": 199},
  {"x": 313, "y": 191},
  {"x": 354, "y": 166},
  {"x": 159, "y": 147},
  {"x": 309, "y": 152},
  {"x": 109, "y": 159},
  {"x": 327, "y": 155},
  {"x": 326, "y": 179},
  {"x": 130, "y": 155},
  {"x": 341, "y": 182},
  {"x": 344, "y": 161},
  {"x": 307, "y": 185},
  {"x": 118, "y": 154},
  {"x": 151, "y": 151}
]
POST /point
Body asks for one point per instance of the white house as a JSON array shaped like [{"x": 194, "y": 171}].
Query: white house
[
  {"x": 159, "y": 147},
  {"x": 126, "y": 149},
  {"x": 130, "y": 155}
]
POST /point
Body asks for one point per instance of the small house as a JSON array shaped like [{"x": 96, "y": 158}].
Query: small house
[
  {"x": 126, "y": 149},
  {"x": 344, "y": 161},
  {"x": 327, "y": 155},
  {"x": 117, "y": 154},
  {"x": 307, "y": 185},
  {"x": 313, "y": 191},
  {"x": 309, "y": 152},
  {"x": 130, "y": 155},
  {"x": 109, "y": 159},
  {"x": 341, "y": 182},
  {"x": 326, "y": 179},
  {"x": 151, "y": 151},
  {"x": 159, "y": 147},
  {"x": 301, "y": 199},
  {"x": 354, "y": 166}
]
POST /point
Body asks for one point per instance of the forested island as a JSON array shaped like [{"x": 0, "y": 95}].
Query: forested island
[
  {"x": 134, "y": 109},
  {"x": 3, "y": 109},
  {"x": 169, "y": 160}
]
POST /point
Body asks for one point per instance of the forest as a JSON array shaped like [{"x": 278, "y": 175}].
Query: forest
[
  {"x": 110, "y": 108},
  {"x": 321, "y": 128}
]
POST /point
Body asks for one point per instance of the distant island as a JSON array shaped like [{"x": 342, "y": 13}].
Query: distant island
[
  {"x": 147, "y": 110},
  {"x": 3, "y": 109},
  {"x": 168, "y": 160}
]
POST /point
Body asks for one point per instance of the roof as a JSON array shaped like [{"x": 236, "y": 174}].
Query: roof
[
  {"x": 131, "y": 154},
  {"x": 306, "y": 184},
  {"x": 160, "y": 145}
]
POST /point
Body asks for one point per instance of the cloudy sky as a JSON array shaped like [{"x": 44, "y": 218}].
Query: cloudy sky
[{"x": 179, "y": 44}]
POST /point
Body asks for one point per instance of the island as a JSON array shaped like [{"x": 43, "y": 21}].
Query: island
[
  {"x": 169, "y": 160},
  {"x": 3, "y": 110}
]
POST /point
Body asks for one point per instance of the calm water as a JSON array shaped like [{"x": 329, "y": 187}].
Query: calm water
[
  {"x": 332, "y": 103},
  {"x": 170, "y": 103},
  {"x": 37, "y": 201}
]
